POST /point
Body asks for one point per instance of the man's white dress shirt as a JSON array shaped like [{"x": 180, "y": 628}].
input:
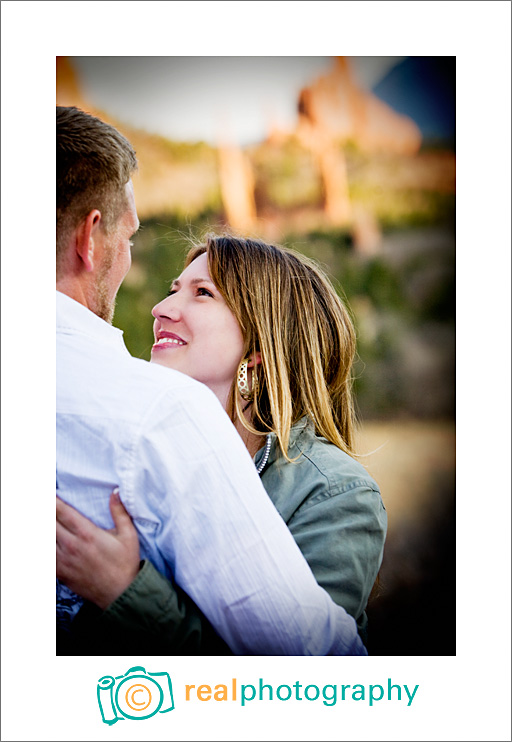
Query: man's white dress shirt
[{"x": 192, "y": 490}]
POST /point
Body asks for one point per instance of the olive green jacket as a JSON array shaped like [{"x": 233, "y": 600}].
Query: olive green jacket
[{"x": 335, "y": 513}]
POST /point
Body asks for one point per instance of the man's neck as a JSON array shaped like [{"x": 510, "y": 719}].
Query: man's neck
[
  {"x": 74, "y": 289},
  {"x": 86, "y": 294}
]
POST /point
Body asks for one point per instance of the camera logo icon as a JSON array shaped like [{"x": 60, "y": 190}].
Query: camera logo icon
[{"x": 135, "y": 695}]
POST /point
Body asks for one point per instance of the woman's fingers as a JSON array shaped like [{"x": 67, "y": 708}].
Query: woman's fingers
[
  {"x": 64, "y": 537},
  {"x": 67, "y": 555},
  {"x": 73, "y": 521},
  {"x": 122, "y": 520},
  {"x": 97, "y": 564}
]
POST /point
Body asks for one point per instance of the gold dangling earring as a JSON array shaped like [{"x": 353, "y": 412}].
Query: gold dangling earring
[{"x": 242, "y": 381}]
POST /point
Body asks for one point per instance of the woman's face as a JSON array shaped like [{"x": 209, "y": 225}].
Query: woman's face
[{"x": 196, "y": 333}]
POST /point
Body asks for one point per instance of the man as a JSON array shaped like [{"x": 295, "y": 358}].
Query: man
[{"x": 184, "y": 475}]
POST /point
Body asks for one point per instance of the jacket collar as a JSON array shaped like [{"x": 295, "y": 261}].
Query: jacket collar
[{"x": 302, "y": 428}]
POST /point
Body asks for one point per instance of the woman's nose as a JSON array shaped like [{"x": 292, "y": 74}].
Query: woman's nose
[{"x": 166, "y": 309}]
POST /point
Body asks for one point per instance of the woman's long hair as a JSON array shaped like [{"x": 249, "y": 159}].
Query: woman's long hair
[{"x": 288, "y": 311}]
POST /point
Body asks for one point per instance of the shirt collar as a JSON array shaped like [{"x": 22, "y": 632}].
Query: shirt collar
[{"x": 73, "y": 316}]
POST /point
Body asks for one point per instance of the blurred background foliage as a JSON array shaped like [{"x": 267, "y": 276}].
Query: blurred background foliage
[{"x": 367, "y": 188}]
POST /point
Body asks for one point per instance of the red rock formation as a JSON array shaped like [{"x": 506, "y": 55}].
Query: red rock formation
[
  {"x": 237, "y": 187},
  {"x": 336, "y": 105},
  {"x": 334, "y": 111}
]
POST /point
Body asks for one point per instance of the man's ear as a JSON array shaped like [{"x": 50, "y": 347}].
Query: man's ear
[
  {"x": 86, "y": 239},
  {"x": 254, "y": 360}
]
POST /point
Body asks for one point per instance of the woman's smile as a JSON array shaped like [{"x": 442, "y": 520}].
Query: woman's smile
[{"x": 168, "y": 340}]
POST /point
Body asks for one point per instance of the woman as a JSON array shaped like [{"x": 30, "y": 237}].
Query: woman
[{"x": 264, "y": 329}]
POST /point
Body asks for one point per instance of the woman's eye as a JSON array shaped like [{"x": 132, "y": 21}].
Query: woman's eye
[
  {"x": 204, "y": 292},
  {"x": 171, "y": 292}
]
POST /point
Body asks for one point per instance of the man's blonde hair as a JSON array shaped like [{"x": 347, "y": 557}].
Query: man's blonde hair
[{"x": 289, "y": 311}]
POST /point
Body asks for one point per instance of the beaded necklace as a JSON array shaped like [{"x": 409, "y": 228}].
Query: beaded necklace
[{"x": 266, "y": 454}]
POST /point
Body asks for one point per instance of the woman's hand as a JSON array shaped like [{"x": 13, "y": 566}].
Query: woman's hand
[{"x": 93, "y": 562}]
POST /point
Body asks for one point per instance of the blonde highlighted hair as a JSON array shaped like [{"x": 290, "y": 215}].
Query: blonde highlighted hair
[{"x": 290, "y": 313}]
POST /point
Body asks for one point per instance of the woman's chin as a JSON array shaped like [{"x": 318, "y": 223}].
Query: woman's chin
[{"x": 155, "y": 358}]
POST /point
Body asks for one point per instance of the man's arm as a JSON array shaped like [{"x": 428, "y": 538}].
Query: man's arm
[
  {"x": 225, "y": 543},
  {"x": 153, "y": 616},
  {"x": 132, "y": 608}
]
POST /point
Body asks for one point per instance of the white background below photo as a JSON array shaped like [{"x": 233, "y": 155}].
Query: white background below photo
[{"x": 466, "y": 697}]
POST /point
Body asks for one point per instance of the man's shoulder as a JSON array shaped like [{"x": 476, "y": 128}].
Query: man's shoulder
[
  {"x": 155, "y": 376},
  {"x": 143, "y": 377},
  {"x": 109, "y": 380}
]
